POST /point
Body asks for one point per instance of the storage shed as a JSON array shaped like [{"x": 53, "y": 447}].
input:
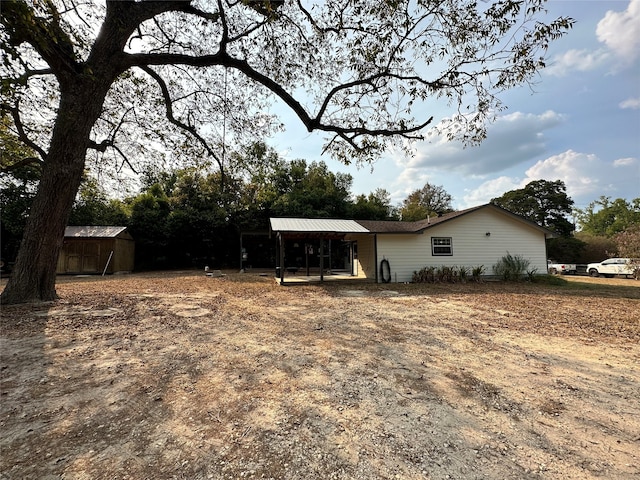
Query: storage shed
[{"x": 96, "y": 250}]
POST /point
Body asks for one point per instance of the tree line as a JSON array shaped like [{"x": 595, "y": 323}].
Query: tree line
[{"x": 191, "y": 217}]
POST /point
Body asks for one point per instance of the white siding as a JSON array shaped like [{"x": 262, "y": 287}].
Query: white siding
[
  {"x": 471, "y": 245},
  {"x": 366, "y": 255}
]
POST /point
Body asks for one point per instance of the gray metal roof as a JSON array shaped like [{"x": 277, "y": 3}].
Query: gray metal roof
[
  {"x": 316, "y": 225},
  {"x": 93, "y": 231}
]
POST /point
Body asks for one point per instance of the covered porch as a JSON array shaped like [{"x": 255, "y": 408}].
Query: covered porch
[{"x": 317, "y": 250}]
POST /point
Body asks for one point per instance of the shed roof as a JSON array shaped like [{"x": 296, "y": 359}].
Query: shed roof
[{"x": 93, "y": 231}]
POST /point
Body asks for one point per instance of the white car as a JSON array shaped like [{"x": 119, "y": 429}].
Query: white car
[{"x": 611, "y": 267}]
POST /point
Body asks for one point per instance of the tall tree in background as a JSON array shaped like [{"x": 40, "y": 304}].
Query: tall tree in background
[
  {"x": 604, "y": 217},
  {"x": 375, "y": 206},
  {"x": 20, "y": 172},
  {"x": 628, "y": 246},
  {"x": 430, "y": 200},
  {"x": 84, "y": 76},
  {"x": 310, "y": 190},
  {"x": 257, "y": 165},
  {"x": 148, "y": 224},
  {"x": 94, "y": 207},
  {"x": 543, "y": 202},
  {"x": 609, "y": 228},
  {"x": 547, "y": 204}
]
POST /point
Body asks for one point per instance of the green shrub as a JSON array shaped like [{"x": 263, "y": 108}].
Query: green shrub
[
  {"x": 463, "y": 274},
  {"x": 477, "y": 272},
  {"x": 511, "y": 267},
  {"x": 447, "y": 274},
  {"x": 424, "y": 275}
]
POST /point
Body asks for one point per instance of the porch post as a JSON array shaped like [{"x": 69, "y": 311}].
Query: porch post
[
  {"x": 281, "y": 258},
  {"x": 306, "y": 256},
  {"x": 241, "y": 234},
  {"x": 321, "y": 259}
]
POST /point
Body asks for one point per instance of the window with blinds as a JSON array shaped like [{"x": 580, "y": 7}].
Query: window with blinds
[{"x": 441, "y": 246}]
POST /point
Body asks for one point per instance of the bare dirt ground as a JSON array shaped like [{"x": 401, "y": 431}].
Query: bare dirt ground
[{"x": 178, "y": 375}]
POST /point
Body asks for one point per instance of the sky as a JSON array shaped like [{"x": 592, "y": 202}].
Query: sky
[{"x": 580, "y": 124}]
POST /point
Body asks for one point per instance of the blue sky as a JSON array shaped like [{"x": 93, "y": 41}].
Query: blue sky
[{"x": 581, "y": 124}]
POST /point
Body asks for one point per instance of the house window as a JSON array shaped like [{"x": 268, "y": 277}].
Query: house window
[{"x": 441, "y": 246}]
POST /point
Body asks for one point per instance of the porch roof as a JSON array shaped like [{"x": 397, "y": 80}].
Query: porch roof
[{"x": 323, "y": 226}]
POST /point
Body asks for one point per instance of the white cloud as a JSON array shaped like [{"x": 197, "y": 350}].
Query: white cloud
[
  {"x": 582, "y": 173},
  {"x": 631, "y": 103},
  {"x": 572, "y": 60},
  {"x": 625, "y": 162},
  {"x": 620, "y": 31},
  {"x": 511, "y": 140},
  {"x": 620, "y": 34},
  {"x": 585, "y": 175},
  {"x": 490, "y": 189}
]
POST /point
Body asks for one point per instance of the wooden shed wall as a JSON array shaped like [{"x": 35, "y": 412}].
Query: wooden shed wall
[
  {"x": 123, "y": 256},
  {"x": 90, "y": 255}
]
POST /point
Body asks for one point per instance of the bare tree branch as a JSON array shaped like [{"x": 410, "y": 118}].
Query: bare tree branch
[
  {"x": 125, "y": 159},
  {"x": 311, "y": 123},
  {"x": 22, "y": 79},
  {"x": 170, "y": 116},
  {"x": 22, "y": 163},
  {"x": 22, "y": 135},
  {"x": 111, "y": 142}
]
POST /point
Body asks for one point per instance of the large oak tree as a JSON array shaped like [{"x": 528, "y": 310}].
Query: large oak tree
[
  {"x": 84, "y": 81},
  {"x": 428, "y": 200},
  {"x": 544, "y": 202}
]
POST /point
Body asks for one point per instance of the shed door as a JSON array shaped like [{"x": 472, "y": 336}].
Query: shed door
[
  {"x": 74, "y": 257},
  {"x": 90, "y": 257}
]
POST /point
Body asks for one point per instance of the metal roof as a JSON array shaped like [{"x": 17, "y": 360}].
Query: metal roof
[
  {"x": 316, "y": 225},
  {"x": 93, "y": 231},
  {"x": 388, "y": 226}
]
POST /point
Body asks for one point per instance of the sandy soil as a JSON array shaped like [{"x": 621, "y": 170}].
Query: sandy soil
[{"x": 178, "y": 375}]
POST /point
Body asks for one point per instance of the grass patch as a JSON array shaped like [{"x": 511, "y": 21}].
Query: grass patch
[
  {"x": 549, "y": 280},
  {"x": 620, "y": 291}
]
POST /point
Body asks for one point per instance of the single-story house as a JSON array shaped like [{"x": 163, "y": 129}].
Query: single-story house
[
  {"x": 96, "y": 249},
  {"x": 473, "y": 237}
]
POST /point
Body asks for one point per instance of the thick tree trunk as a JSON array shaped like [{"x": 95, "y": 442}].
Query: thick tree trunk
[{"x": 34, "y": 273}]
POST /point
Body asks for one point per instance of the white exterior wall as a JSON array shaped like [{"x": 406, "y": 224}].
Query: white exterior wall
[
  {"x": 366, "y": 253},
  {"x": 471, "y": 246}
]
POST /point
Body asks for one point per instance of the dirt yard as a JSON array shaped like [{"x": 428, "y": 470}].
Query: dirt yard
[{"x": 178, "y": 375}]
